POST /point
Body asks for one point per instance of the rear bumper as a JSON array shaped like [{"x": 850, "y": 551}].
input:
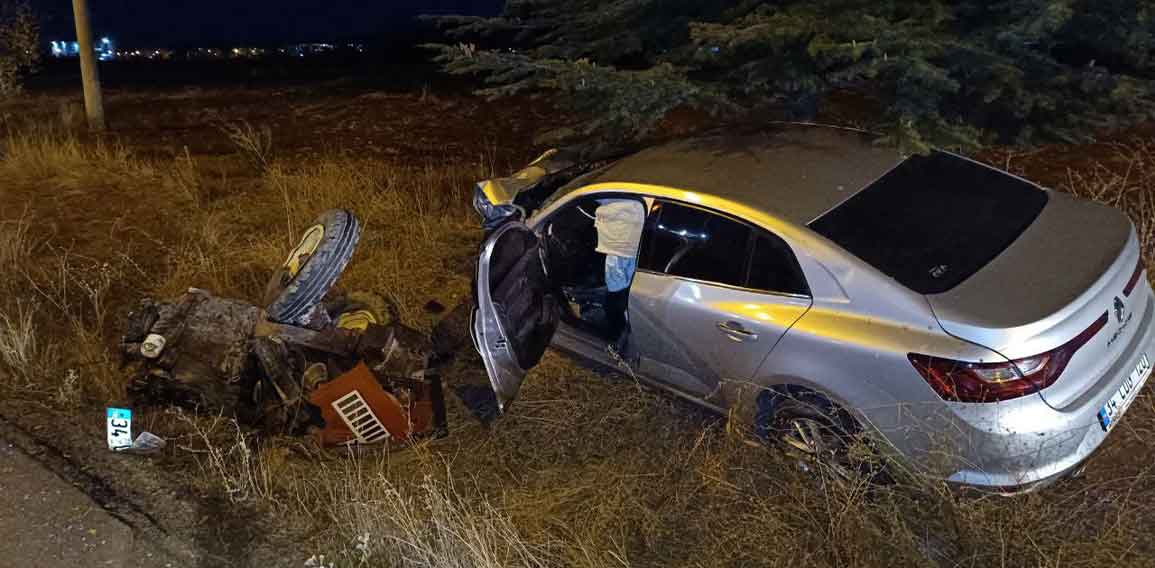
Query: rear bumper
[{"x": 1027, "y": 444}]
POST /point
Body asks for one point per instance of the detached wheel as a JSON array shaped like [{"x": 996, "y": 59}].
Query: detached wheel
[
  {"x": 312, "y": 267},
  {"x": 810, "y": 427}
]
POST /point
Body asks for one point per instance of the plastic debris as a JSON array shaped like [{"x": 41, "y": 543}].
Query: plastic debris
[
  {"x": 356, "y": 408},
  {"x": 145, "y": 443},
  {"x": 152, "y": 346}
]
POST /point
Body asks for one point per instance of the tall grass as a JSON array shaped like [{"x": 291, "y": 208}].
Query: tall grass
[
  {"x": 587, "y": 470},
  {"x": 20, "y": 350},
  {"x": 255, "y": 143},
  {"x": 1127, "y": 181},
  {"x": 430, "y": 524},
  {"x": 15, "y": 242},
  {"x": 47, "y": 153}
]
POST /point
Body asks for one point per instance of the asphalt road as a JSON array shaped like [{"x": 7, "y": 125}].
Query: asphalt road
[{"x": 46, "y": 521}]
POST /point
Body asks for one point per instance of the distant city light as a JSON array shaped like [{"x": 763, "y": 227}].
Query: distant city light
[
  {"x": 105, "y": 50},
  {"x": 65, "y": 48}
]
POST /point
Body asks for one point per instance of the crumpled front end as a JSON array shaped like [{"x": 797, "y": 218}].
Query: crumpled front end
[{"x": 498, "y": 200}]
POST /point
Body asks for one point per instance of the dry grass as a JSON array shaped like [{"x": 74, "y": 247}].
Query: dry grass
[
  {"x": 19, "y": 344},
  {"x": 431, "y": 524},
  {"x": 1126, "y": 181},
  {"x": 232, "y": 466},
  {"x": 47, "y": 153},
  {"x": 255, "y": 143},
  {"x": 15, "y": 243},
  {"x": 588, "y": 470}
]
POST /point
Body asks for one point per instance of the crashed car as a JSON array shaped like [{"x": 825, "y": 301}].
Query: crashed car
[{"x": 823, "y": 289}]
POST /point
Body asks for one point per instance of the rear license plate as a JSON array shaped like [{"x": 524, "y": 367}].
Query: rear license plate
[{"x": 1126, "y": 394}]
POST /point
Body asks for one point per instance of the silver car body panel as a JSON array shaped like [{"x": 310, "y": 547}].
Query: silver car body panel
[
  {"x": 811, "y": 168},
  {"x": 850, "y": 340},
  {"x": 1064, "y": 279},
  {"x": 696, "y": 334}
]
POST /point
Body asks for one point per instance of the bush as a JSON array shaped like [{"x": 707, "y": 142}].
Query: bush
[{"x": 19, "y": 44}]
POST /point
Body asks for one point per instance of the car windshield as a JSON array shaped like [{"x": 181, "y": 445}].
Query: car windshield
[
  {"x": 934, "y": 220},
  {"x": 570, "y": 187}
]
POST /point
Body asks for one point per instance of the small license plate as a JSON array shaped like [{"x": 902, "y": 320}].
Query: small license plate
[
  {"x": 119, "y": 428},
  {"x": 1117, "y": 405}
]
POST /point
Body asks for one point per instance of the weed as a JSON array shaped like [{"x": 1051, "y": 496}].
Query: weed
[
  {"x": 68, "y": 394},
  {"x": 71, "y": 115},
  {"x": 15, "y": 243},
  {"x": 254, "y": 143},
  {"x": 19, "y": 348},
  {"x": 430, "y": 525},
  {"x": 1127, "y": 182},
  {"x": 40, "y": 153},
  {"x": 76, "y": 292},
  {"x": 186, "y": 179},
  {"x": 233, "y": 463}
]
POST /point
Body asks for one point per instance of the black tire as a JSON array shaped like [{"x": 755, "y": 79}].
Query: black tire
[
  {"x": 840, "y": 449},
  {"x": 291, "y": 299}
]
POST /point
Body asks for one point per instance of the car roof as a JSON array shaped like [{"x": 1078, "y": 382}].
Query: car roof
[{"x": 793, "y": 171}]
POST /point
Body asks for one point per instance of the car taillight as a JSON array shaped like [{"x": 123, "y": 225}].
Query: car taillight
[
  {"x": 960, "y": 381},
  {"x": 1134, "y": 278}
]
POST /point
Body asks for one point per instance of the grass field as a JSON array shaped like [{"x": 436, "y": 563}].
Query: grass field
[{"x": 587, "y": 470}]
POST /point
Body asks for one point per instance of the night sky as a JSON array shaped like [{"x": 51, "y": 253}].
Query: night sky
[{"x": 183, "y": 23}]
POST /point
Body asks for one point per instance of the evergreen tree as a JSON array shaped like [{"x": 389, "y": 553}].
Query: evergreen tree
[
  {"x": 19, "y": 44},
  {"x": 955, "y": 73}
]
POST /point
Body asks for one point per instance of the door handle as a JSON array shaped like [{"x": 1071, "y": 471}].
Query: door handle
[{"x": 736, "y": 331}]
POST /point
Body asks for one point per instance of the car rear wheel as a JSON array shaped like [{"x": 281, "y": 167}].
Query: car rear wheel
[{"x": 820, "y": 435}]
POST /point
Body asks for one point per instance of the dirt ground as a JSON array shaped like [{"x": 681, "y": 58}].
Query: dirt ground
[
  {"x": 48, "y": 521},
  {"x": 591, "y": 470}
]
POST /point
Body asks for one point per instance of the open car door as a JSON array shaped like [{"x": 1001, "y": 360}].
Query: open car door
[{"x": 517, "y": 311}]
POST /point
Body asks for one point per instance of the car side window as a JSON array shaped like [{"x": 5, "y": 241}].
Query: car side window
[
  {"x": 773, "y": 267},
  {"x": 693, "y": 243},
  {"x": 686, "y": 241}
]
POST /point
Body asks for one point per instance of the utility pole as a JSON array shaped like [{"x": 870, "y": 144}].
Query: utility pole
[{"x": 93, "y": 102}]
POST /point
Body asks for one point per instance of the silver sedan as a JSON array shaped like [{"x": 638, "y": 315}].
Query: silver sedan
[{"x": 970, "y": 324}]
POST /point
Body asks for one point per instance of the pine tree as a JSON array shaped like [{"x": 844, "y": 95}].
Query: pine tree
[{"x": 954, "y": 73}]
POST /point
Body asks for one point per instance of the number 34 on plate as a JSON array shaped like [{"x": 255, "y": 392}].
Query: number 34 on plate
[{"x": 119, "y": 428}]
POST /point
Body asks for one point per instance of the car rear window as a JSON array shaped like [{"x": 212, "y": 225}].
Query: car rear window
[{"x": 933, "y": 221}]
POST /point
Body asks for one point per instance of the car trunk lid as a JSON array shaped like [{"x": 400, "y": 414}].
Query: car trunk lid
[{"x": 1067, "y": 271}]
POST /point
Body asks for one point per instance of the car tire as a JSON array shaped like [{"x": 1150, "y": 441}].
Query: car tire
[
  {"x": 293, "y": 294},
  {"x": 810, "y": 427}
]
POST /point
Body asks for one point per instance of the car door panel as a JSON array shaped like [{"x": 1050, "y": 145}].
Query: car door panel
[
  {"x": 653, "y": 344},
  {"x": 714, "y": 333},
  {"x": 517, "y": 311},
  {"x": 702, "y": 309}
]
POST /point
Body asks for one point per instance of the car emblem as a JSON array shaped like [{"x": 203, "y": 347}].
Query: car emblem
[{"x": 1119, "y": 309}]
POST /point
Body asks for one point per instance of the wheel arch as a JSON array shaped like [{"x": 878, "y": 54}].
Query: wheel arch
[{"x": 750, "y": 403}]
